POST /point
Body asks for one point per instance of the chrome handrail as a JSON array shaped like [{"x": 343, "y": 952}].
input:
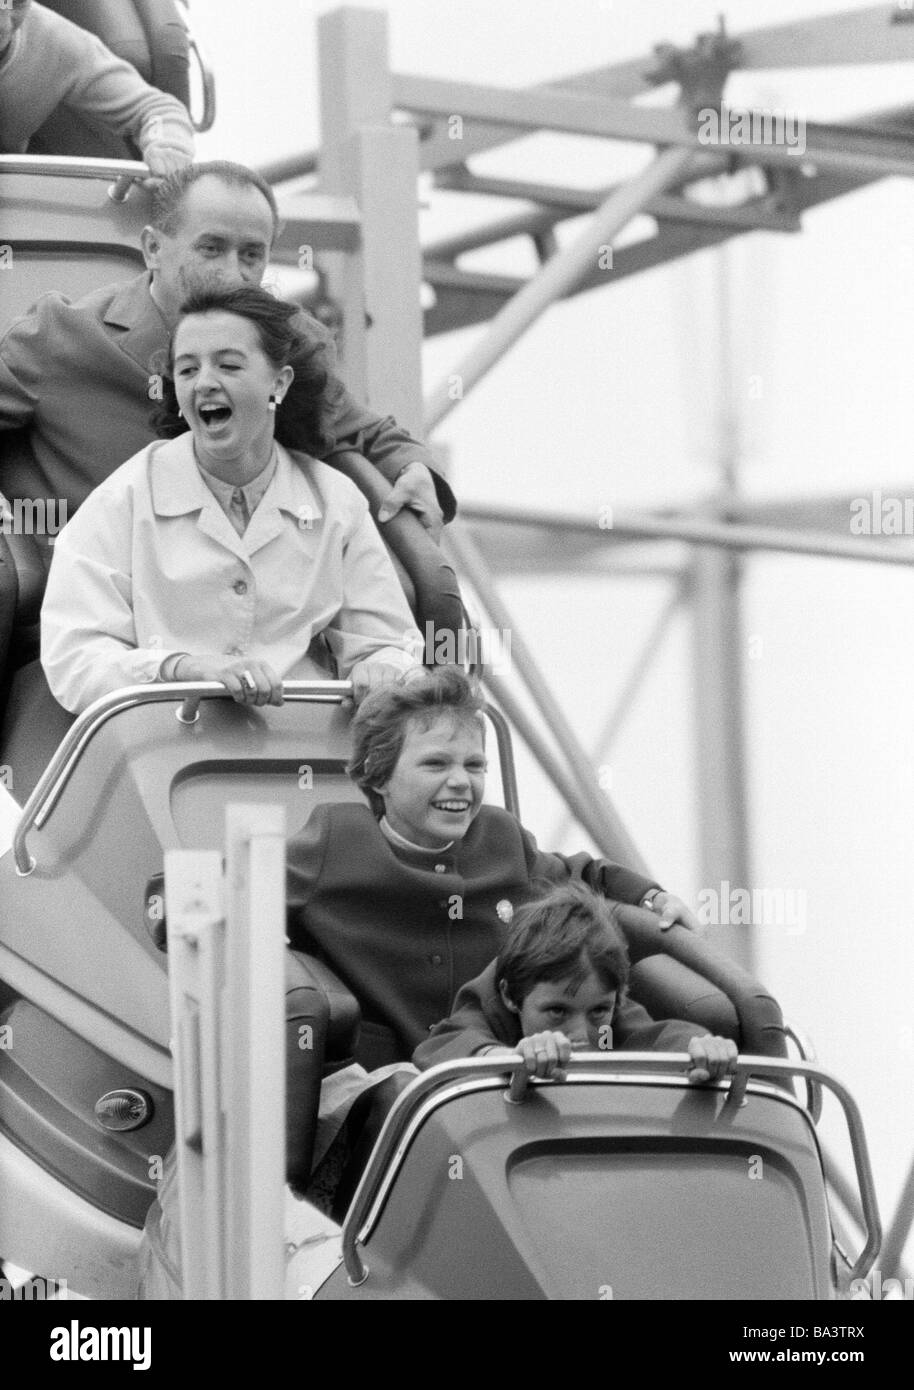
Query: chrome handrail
[
  {"x": 73, "y": 166},
  {"x": 443, "y": 1082},
  {"x": 505, "y": 759},
  {"x": 207, "y": 78},
  {"x": 807, "y": 1053},
  {"x": 59, "y": 770}
]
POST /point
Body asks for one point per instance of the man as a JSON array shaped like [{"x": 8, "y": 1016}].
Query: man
[{"x": 82, "y": 377}]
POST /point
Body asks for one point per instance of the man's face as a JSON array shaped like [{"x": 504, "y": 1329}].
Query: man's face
[
  {"x": 438, "y": 783},
  {"x": 12, "y": 17},
  {"x": 223, "y": 237}
]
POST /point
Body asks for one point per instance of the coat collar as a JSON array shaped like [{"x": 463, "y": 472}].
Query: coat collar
[
  {"x": 145, "y": 331},
  {"x": 178, "y": 489}
]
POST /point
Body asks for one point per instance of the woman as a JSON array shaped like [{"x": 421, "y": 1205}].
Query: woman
[{"x": 220, "y": 555}]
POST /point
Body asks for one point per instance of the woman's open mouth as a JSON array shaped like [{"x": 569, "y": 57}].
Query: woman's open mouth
[
  {"x": 453, "y": 808},
  {"x": 214, "y": 417}
]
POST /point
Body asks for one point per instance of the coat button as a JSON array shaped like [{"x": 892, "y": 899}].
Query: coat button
[
  {"x": 441, "y": 868},
  {"x": 435, "y": 959},
  {"x": 240, "y": 586}
]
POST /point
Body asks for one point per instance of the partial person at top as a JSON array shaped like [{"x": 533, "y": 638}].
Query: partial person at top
[
  {"x": 80, "y": 377},
  {"x": 220, "y": 554},
  {"x": 46, "y": 63}
]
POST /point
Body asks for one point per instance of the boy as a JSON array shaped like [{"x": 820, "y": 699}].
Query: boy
[
  {"x": 558, "y": 987},
  {"x": 46, "y": 62}
]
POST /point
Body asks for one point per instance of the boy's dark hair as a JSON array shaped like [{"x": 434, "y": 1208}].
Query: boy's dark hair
[
  {"x": 562, "y": 936},
  {"x": 169, "y": 194},
  {"x": 380, "y": 724},
  {"x": 300, "y": 415}
]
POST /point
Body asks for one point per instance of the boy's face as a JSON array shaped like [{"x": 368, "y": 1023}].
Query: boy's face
[
  {"x": 581, "y": 1009},
  {"x": 437, "y": 786},
  {"x": 12, "y": 17}
]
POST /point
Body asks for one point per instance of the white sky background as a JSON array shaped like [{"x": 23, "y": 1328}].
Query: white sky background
[{"x": 613, "y": 398}]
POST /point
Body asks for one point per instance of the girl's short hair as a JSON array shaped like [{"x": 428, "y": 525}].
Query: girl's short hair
[
  {"x": 301, "y": 415},
  {"x": 563, "y": 935},
  {"x": 380, "y": 724}
]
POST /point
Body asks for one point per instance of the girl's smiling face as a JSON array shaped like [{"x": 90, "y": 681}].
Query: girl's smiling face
[{"x": 437, "y": 785}]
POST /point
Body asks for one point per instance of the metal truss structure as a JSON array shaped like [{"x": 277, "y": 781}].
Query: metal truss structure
[{"x": 381, "y": 130}]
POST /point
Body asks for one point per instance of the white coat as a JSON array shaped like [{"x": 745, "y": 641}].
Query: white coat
[{"x": 151, "y": 566}]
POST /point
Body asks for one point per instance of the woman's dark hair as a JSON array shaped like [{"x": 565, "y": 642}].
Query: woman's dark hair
[
  {"x": 380, "y": 724},
  {"x": 301, "y": 414},
  {"x": 562, "y": 936}
]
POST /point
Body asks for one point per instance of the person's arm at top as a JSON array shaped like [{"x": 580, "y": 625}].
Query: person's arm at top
[{"x": 102, "y": 86}]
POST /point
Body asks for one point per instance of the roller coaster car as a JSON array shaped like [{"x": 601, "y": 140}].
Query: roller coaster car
[{"x": 624, "y": 1180}]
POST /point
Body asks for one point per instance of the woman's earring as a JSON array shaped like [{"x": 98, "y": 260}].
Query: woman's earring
[
  {"x": 273, "y": 402},
  {"x": 180, "y": 413}
]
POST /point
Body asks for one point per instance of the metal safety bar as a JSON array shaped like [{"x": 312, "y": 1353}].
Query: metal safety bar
[
  {"x": 442, "y": 1083},
  {"x": 804, "y": 1046},
  {"x": 207, "y": 117},
  {"x": 124, "y": 172},
  {"x": 59, "y": 770},
  {"x": 505, "y": 759}
]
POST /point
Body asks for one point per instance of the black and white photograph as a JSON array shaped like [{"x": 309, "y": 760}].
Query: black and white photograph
[{"x": 456, "y": 753}]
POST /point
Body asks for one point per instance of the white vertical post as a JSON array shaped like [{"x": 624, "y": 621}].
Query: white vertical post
[
  {"x": 380, "y": 169},
  {"x": 355, "y": 90},
  {"x": 253, "y": 1039},
  {"x": 194, "y": 912},
  {"x": 365, "y": 157},
  {"x": 226, "y": 945}
]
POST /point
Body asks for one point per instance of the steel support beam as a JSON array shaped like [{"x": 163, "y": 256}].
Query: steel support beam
[
  {"x": 375, "y": 163},
  {"x": 755, "y": 215},
  {"x": 896, "y": 1237},
  {"x": 588, "y": 801},
  {"x": 833, "y": 147},
  {"x": 316, "y": 221},
  {"x": 723, "y": 535},
  {"x": 557, "y": 276}
]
